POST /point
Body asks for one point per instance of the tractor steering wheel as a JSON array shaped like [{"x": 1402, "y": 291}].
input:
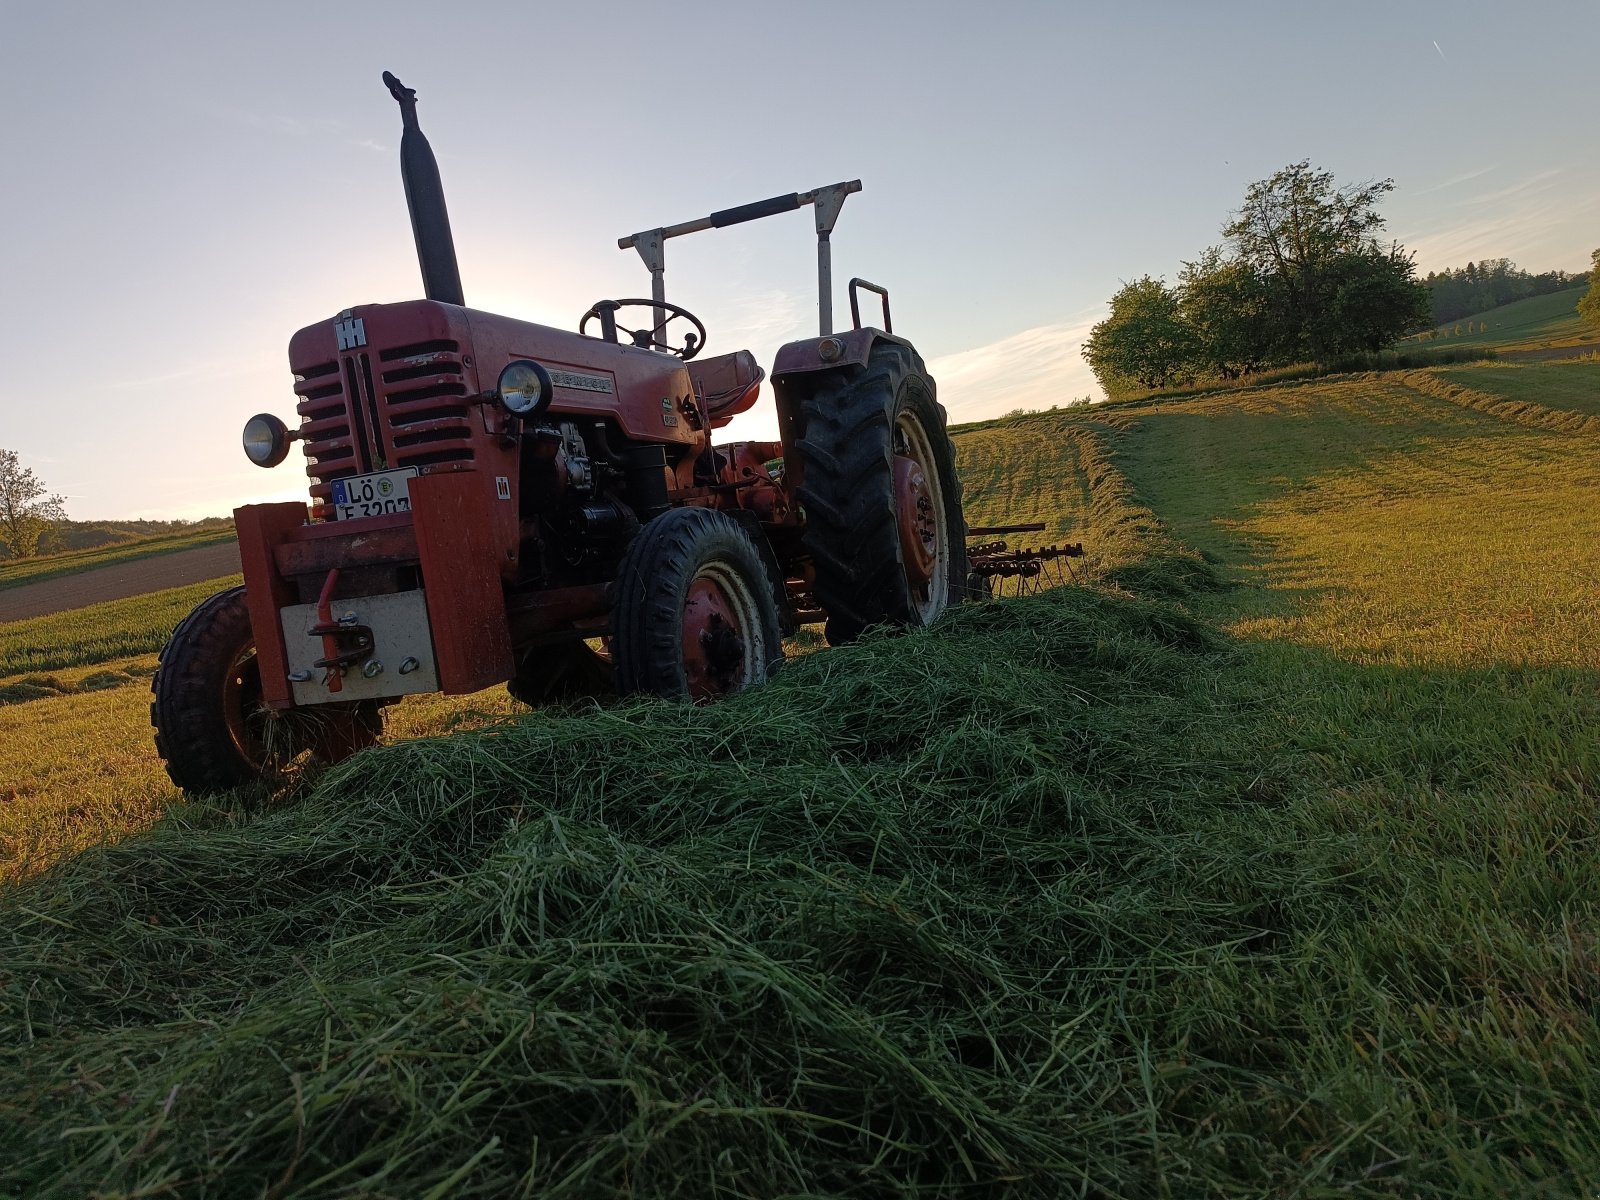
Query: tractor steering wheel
[{"x": 605, "y": 311}]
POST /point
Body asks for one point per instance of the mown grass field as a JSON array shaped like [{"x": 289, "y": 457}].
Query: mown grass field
[
  {"x": 1537, "y": 323},
  {"x": 1263, "y": 866},
  {"x": 14, "y": 572},
  {"x": 1575, "y": 387}
]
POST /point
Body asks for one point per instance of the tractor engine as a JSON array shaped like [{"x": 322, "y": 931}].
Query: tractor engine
[{"x": 537, "y": 480}]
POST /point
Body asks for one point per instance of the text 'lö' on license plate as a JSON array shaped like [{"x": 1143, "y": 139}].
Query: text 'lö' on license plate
[{"x": 373, "y": 495}]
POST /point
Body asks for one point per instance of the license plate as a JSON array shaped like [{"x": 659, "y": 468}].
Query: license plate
[{"x": 373, "y": 495}]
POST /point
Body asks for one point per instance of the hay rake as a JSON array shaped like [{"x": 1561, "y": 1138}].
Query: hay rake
[{"x": 994, "y": 569}]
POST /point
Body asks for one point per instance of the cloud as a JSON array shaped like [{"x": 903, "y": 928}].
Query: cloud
[
  {"x": 217, "y": 367},
  {"x": 1539, "y": 234},
  {"x": 1036, "y": 368},
  {"x": 745, "y": 316},
  {"x": 1542, "y": 182},
  {"x": 1455, "y": 180},
  {"x": 1541, "y": 222}
]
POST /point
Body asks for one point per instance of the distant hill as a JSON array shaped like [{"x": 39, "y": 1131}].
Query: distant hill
[
  {"x": 67, "y": 536},
  {"x": 1462, "y": 294},
  {"x": 1537, "y": 323}
]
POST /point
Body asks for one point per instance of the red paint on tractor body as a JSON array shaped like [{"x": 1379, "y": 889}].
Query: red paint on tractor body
[
  {"x": 455, "y": 521},
  {"x": 261, "y": 527}
]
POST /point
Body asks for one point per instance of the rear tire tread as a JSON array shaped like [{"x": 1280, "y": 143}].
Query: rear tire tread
[{"x": 847, "y": 491}]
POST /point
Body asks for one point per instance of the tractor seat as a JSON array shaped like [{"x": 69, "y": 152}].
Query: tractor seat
[{"x": 726, "y": 385}]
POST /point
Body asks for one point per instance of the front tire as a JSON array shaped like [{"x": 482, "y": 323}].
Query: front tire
[
  {"x": 881, "y": 496},
  {"x": 694, "y": 616},
  {"x": 212, "y": 730}
]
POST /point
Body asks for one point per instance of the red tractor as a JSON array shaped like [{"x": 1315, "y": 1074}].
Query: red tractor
[{"x": 490, "y": 498}]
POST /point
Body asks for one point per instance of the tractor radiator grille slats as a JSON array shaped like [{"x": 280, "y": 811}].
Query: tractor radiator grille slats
[
  {"x": 404, "y": 406},
  {"x": 330, "y": 451},
  {"x": 426, "y": 393}
]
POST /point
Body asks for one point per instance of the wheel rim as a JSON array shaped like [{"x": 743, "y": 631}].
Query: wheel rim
[
  {"x": 268, "y": 741},
  {"x": 722, "y": 650},
  {"x": 920, "y": 518},
  {"x": 241, "y": 700},
  {"x": 257, "y": 733}
]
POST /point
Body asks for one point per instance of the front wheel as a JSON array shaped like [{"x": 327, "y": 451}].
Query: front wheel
[
  {"x": 881, "y": 496},
  {"x": 212, "y": 729},
  {"x": 694, "y": 616}
]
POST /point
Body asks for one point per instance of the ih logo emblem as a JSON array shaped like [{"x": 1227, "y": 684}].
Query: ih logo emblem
[{"x": 351, "y": 331}]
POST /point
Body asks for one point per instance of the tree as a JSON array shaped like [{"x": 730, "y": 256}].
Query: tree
[
  {"x": 1225, "y": 305},
  {"x": 1589, "y": 305},
  {"x": 1144, "y": 343},
  {"x": 1315, "y": 243},
  {"x": 1375, "y": 298},
  {"x": 26, "y": 509}
]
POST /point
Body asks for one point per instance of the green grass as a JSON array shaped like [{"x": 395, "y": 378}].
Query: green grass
[
  {"x": 99, "y": 633},
  {"x": 1012, "y": 479},
  {"x": 76, "y": 769},
  {"x": 1571, "y": 386},
  {"x": 1384, "y": 524},
  {"x": 78, "y": 765},
  {"x": 1263, "y": 867},
  {"x": 15, "y": 572},
  {"x": 1535, "y": 323}
]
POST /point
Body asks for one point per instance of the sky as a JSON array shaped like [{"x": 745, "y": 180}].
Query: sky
[{"x": 187, "y": 184}]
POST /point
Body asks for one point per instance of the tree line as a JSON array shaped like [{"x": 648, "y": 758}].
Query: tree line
[
  {"x": 1301, "y": 276},
  {"x": 1489, "y": 283}
]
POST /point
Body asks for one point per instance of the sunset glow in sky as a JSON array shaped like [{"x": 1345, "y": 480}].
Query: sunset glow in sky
[{"x": 188, "y": 184}]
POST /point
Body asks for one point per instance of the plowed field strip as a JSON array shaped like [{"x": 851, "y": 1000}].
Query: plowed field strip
[{"x": 119, "y": 581}]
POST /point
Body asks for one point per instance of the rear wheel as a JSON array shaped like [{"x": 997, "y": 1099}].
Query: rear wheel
[
  {"x": 881, "y": 497},
  {"x": 694, "y": 616},
  {"x": 212, "y": 729}
]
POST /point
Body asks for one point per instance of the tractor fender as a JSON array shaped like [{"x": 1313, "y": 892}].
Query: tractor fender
[
  {"x": 800, "y": 371},
  {"x": 849, "y": 349}
]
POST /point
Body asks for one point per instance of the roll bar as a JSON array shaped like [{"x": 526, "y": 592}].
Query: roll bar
[{"x": 651, "y": 243}]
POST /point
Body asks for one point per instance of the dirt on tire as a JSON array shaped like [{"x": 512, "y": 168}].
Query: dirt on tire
[{"x": 118, "y": 581}]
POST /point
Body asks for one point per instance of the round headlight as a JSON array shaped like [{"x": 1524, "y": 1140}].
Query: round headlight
[
  {"x": 266, "y": 440},
  {"x": 525, "y": 388}
]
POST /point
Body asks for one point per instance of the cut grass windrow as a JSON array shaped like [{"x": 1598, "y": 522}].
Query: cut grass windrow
[
  {"x": 1523, "y": 412},
  {"x": 1062, "y": 896},
  {"x": 1070, "y": 895}
]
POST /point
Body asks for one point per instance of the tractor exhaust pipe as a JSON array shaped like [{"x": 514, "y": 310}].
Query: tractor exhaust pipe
[{"x": 430, "y": 223}]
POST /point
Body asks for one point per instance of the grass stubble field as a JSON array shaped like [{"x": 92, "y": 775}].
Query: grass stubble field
[{"x": 1262, "y": 866}]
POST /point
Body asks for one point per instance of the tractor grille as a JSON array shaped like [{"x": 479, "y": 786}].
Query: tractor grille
[{"x": 405, "y": 406}]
